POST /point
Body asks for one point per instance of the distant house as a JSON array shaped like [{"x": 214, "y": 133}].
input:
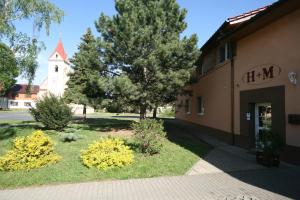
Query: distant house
[{"x": 19, "y": 97}]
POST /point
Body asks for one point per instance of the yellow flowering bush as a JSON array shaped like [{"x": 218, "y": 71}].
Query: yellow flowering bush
[
  {"x": 106, "y": 154},
  {"x": 33, "y": 151}
]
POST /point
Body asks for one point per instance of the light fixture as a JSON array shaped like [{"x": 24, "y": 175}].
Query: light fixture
[{"x": 293, "y": 77}]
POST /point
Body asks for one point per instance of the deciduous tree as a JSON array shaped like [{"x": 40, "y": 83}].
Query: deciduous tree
[
  {"x": 8, "y": 69},
  {"x": 26, "y": 48}
]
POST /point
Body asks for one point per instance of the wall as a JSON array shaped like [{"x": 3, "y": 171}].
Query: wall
[
  {"x": 277, "y": 44},
  {"x": 56, "y": 81},
  {"x": 214, "y": 88},
  {"x": 20, "y": 104}
]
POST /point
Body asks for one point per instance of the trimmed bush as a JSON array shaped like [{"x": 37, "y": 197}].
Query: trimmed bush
[
  {"x": 149, "y": 135},
  {"x": 33, "y": 151},
  {"x": 52, "y": 112},
  {"x": 69, "y": 137},
  {"x": 106, "y": 154}
]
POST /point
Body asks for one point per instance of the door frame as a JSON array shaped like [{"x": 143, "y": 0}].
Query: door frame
[
  {"x": 256, "y": 116},
  {"x": 248, "y": 99}
]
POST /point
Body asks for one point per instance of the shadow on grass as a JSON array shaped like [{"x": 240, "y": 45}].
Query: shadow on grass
[
  {"x": 130, "y": 117},
  {"x": 103, "y": 124},
  {"x": 6, "y": 133},
  {"x": 4, "y": 124},
  {"x": 186, "y": 141}
]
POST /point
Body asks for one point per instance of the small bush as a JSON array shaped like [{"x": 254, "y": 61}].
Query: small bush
[
  {"x": 69, "y": 137},
  {"x": 149, "y": 135},
  {"x": 106, "y": 154},
  {"x": 167, "y": 112},
  {"x": 52, "y": 112},
  {"x": 33, "y": 151}
]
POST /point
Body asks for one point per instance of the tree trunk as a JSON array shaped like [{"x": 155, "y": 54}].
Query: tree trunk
[
  {"x": 84, "y": 112},
  {"x": 143, "y": 110},
  {"x": 155, "y": 112}
]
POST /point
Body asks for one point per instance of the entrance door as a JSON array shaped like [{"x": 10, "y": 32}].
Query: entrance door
[{"x": 263, "y": 120}]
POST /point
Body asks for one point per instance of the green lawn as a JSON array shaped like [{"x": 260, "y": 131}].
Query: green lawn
[{"x": 175, "y": 159}]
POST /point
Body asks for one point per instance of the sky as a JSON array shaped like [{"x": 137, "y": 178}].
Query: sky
[{"x": 204, "y": 17}]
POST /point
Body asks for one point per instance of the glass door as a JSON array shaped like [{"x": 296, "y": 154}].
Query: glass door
[{"x": 263, "y": 120}]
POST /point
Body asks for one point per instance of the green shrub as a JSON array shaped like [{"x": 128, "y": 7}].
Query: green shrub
[
  {"x": 52, "y": 112},
  {"x": 149, "y": 135},
  {"x": 106, "y": 154},
  {"x": 33, "y": 151},
  {"x": 69, "y": 137},
  {"x": 168, "y": 112}
]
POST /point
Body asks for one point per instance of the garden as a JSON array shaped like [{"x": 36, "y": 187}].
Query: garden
[{"x": 69, "y": 149}]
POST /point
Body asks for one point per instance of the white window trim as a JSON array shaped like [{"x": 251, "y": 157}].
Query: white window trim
[
  {"x": 202, "y": 106},
  {"x": 189, "y": 108}
]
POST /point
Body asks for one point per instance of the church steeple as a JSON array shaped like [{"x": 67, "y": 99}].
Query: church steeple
[{"x": 60, "y": 51}]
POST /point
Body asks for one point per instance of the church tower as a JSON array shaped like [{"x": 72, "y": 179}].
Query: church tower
[{"x": 58, "y": 69}]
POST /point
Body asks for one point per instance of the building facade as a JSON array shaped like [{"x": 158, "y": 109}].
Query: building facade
[
  {"x": 20, "y": 97},
  {"x": 58, "y": 70},
  {"x": 247, "y": 79}
]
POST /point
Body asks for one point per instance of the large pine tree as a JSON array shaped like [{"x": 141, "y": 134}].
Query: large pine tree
[
  {"x": 86, "y": 83},
  {"x": 143, "y": 42}
]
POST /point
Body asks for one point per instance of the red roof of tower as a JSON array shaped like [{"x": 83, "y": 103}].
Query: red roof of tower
[{"x": 60, "y": 50}]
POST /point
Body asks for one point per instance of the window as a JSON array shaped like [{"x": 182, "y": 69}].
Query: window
[
  {"x": 200, "y": 106},
  {"x": 56, "y": 68},
  {"x": 28, "y": 104},
  {"x": 224, "y": 52},
  {"x": 188, "y": 106},
  {"x": 14, "y": 103}
]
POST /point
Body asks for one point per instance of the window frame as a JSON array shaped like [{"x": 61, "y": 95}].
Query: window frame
[
  {"x": 14, "y": 103},
  {"x": 225, "y": 53},
  {"x": 201, "y": 109},
  {"x": 188, "y": 106},
  {"x": 27, "y": 104}
]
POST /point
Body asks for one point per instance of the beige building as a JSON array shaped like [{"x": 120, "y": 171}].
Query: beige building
[{"x": 248, "y": 79}]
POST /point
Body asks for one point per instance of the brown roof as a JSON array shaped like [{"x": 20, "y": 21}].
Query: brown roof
[
  {"x": 261, "y": 17},
  {"x": 246, "y": 16},
  {"x": 21, "y": 89}
]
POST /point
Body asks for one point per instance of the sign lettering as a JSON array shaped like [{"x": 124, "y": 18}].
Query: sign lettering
[
  {"x": 268, "y": 73},
  {"x": 261, "y": 74},
  {"x": 251, "y": 76}
]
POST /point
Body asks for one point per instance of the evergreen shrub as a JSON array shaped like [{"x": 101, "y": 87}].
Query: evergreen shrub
[
  {"x": 33, "y": 151},
  {"x": 106, "y": 154},
  {"x": 149, "y": 135},
  {"x": 52, "y": 112}
]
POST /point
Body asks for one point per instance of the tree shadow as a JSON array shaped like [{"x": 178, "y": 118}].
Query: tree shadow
[
  {"x": 103, "y": 124},
  {"x": 130, "y": 117},
  {"x": 284, "y": 180},
  {"x": 4, "y": 124},
  {"x": 6, "y": 133},
  {"x": 186, "y": 141}
]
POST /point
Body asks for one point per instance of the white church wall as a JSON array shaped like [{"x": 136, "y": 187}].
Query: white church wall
[{"x": 56, "y": 81}]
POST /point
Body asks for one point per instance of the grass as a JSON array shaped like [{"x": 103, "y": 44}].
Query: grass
[{"x": 178, "y": 155}]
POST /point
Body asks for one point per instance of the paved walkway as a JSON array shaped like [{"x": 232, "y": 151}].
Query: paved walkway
[
  {"x": 210, "y": 186},
  {"x": 226, "y": 173}
]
